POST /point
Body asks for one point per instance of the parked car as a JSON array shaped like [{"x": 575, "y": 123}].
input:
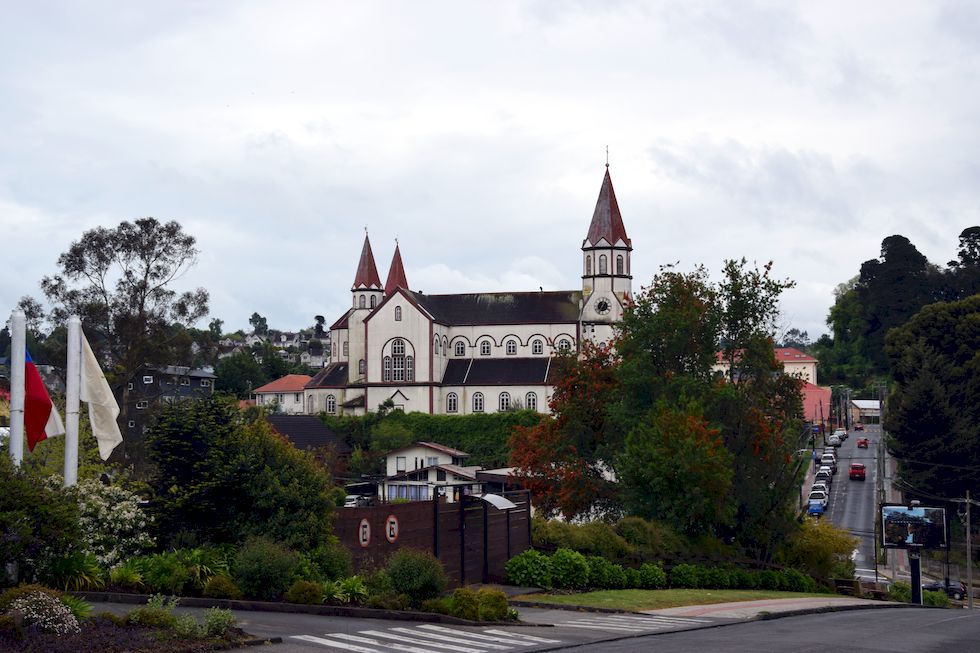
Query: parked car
[
  {"x": 819, "y": 485},
  {"x": 824, "y": 474},
  {"x": 862, "y": 443},
  {"x": 815, "y": 509},
  {"x": 358, "y": 501},
  {"x": 955, "y": 590},
  {"x": 841, "y": 433},
  {"x": 830, "y": 460},
  {"x": 856, "y": 472},
  {"x": 817, "y": 495},
  {"x": 834, "y": 441},
  {"x": 859, "y": 426}
]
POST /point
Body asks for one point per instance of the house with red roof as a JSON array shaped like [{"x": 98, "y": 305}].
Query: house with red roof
[{"x": 284, "y": 395}]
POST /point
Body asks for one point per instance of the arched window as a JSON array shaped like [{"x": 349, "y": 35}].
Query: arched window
[
  {"x": 309, "y": 405},
  {"x": 485, "y": 348},
  {"x": 452, "y": 402},
  {"x": 504, "y": 403},
  {"x": 409, "y": 368},
  {"x": 588, "y": 265},
  {"x": 602, "y": 264},
  {"x": 360, "y": 301},
  {"x": 537, "y": 347},
  {"x": 478, "y": 402},
  {"x": 334, "y": 347},
  {"x": 445, "y": 346},
  {"x": 460, "y": 348},
  {"x": 511, "y": 347},
  {"x": 531, "y": 401},
  {"x": 346, "y": 348},
  {"x": 386, "y": 369},
  {"x": 435, "y": 344},
  {"x": 398, "y": 314},
  {"x": 331, "y": 404},
  {"x": 619, "y": 264},
  {"x": 398, "y": 359},
  {"x": 564, "y": 345},
  {"x": 374, "y": 301},
  {"x": 361, "y": 367}
]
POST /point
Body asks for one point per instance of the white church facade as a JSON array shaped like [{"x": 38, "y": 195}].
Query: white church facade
[{"x": 469, "y": 353}]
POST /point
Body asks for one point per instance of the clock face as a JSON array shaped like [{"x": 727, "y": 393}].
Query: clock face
[{"x": 602, "y": 306}]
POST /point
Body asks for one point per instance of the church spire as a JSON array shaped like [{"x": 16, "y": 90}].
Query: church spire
[
  {"x": 367, "y": 271},
  {"x": 607, "y": 222},
  {"x": 396, "y": 273}
]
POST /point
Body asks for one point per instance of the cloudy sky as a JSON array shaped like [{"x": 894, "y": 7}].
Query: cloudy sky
[{"x": 475, "y": 133}]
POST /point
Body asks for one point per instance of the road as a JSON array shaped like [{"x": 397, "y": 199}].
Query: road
[{"x": 852, "y": 504}]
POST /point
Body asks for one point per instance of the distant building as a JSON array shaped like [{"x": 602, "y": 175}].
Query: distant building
[
  {"x": 284, "y": 394},
  {"x": 154, "y": 385},
  {"x": 795, "y": 363},
  {"x": 418, "y": 471}
]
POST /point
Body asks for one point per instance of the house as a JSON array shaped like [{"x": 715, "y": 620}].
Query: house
[
  {"x": 794, "y": 362},
  {"x": 866, "y": 411},
  {"x": 470, "y": 353},
  {"x": 284, "y": 394},
  {"x": 308, "y": 433},
  {"x": 421, "y": 469},
  {"x": 168, "y": 384}
]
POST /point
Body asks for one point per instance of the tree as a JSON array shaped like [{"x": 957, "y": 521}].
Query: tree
[
  {"x": 215, "y": 326},
  {"x": 260, "y": 325},
  {"x": 796, "y": 339},
  {"x": 239, "y": 374},
  {"x": 318, "y": 330},
  {"x": 964, "y": 272},
  {"x": 119, "y": 281}
]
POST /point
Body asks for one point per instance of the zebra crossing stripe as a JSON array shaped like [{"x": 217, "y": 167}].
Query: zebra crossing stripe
[
  {"x": 455, "y": 640},
  {"x": 412, "y": 640},
  {"x": 683, "y": 620},
  {"x": 329, "y": 642},
  {"x": 596, "y": 626},
  {"x": 482, "y": 638},
  {"x": 374, "y": 642},
  {"x": 655, "y": 618},
  {"x": 537, "y": 640}
]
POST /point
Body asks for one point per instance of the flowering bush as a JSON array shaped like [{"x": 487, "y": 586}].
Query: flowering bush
[
  {"x": 46, "y": 613},
  {"x": 113, "y": 524}
]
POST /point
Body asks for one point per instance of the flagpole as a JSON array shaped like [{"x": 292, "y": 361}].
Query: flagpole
[
  {"x": 73, "y": 381},
  {"x": 18, "y": 350}
]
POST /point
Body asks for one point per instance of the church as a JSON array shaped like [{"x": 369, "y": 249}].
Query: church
[{"x": 469, "y": 353}]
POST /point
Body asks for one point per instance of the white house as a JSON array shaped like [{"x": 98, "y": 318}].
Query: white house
[
  {"x": 794, "y": 362},
  {"x": 286, "y": 394},
  {"x": 418, "y": 471},
  {"x": 470, "y": 353}
]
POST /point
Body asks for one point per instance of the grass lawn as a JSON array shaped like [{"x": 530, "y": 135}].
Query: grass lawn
[{"x": 656, "y": 599}]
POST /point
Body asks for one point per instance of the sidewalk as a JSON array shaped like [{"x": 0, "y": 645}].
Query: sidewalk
[{"x": 766, "y": 607}]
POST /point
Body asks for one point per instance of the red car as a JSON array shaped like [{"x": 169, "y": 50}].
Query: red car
[
  {"x": 856, "y": 472},
  {"x": 862, "y": 443}
]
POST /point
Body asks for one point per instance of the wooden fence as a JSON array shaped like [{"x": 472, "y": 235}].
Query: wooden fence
[{"x": 473, "y": 539}]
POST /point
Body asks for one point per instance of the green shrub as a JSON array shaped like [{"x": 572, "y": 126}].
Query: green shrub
[
  {"x": 936, "y": 599},
  {"x": 263, "y": 568},
  {"x": 744, "y": 579},
  {"x": 529, "y": 569},
  {"x": 569, "y": 569},
  {"x": 794, "y": 581},
  {"x": 441, "y": 605},
  {"x": 600, "y": 572},
  {"x": 75, "y": 571},
  {"x": 46, "y": 613},
  {"x": 389, "y": 601},
  {"x": 900, "y": 591},
  {"x": 157, "y": 613},
  {"x": 464, "y": 604},
  {"x": 305, "y": 592},
  {"x": 652, "y": 576},
  {"x": 333, "y": 559},
  {"x": 79, "y": 607},
  {"x": 592, "y": 538},
  {"x": 685, "y": 575},
  {"x": 186, "y": 626},
  {"x": 493, "y": 604},
  {"x": 617, "y": 577},
  {"x": 769, "y": 580},
  {"x": 378, "y": 583},
  {"x": 651, "y": 540},
  {"x": 127, "y": 576},
  {"x": 716, "y": 578},
  {"x": 418, "y": 574},
  {"x": 14, "y": 593},
  {"x": 633, "y": 578},
  {"x": 350, "y": 590},
  {"x": 163, "y": 572},
  {"x": 221, "y": 586},
  {"x": 217, "y": 622}
]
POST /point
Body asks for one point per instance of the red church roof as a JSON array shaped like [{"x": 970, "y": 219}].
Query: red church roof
[
  {"x": 367, "y": 271},
  {"x": 396, "y": 274},
  {"x": 607, "y": 222}
]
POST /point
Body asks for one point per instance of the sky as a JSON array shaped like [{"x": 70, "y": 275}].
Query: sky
[{"x": 475, "y": 133}]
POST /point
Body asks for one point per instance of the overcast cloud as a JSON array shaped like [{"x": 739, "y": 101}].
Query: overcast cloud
[{"x": 802, "y": 133}]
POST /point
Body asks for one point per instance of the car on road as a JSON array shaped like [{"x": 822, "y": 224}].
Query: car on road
[
  {"x": 830, "y": 460},
  {"x": 824, "y": 474},
  {"x": 834, "y": 441},
  {"x": 856, "y": 472},
  {"x": 817, "y": 495},
  {"x": 815, "y": 509},
  {"x": 859, "y": 426},
  {"x": 863, "y": 443},
  {"x": 841, "y": 433},
  {"x": 955, "y": 590},
  {"x": 819, "y": 485}
]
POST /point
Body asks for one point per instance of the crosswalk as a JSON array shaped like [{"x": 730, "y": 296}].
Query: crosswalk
[
  {"x": 432, "y": 638},
  {"x": 428, "y": 638},
  {"x": 630, "y": 623}
]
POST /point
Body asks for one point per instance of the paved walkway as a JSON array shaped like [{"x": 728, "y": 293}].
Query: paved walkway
[{"x": 752, "y": 609}]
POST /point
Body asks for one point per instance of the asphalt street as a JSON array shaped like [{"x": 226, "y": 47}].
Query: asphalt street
[{"x": 852, "y": 503}]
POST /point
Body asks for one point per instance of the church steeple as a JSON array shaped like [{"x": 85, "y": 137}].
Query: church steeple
[
  {"x": 396, "y": 273},
  {"x": 367, "y": 272},
  {"x": 607, "y": 222}
]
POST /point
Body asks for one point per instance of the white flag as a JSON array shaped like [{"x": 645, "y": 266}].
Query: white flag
[{"x": 102, "y": 407}]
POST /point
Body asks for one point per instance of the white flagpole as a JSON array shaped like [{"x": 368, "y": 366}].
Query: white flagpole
[
  {"x": 73, "y": 381},
  {"x": 18, "y": 349}
]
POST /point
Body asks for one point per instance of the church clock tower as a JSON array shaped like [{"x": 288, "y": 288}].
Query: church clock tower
[{"x": 606, "y": 277}]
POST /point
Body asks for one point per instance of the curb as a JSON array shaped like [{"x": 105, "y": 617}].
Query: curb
[{"x": 570, "y": 608}]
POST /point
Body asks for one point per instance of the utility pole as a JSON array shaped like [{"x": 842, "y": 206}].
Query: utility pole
[{"x": 969, "y": 548}]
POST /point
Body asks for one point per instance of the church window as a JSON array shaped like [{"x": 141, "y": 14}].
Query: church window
[
  {"x": 398, "y": 314},
  {"x": 478, "y": 402},
  {"x": 602, "y": 264},
  {"x": 460, "y": 348},
  {"x": 588, "y": 265},
  {"x": 360, "y": 301},
  {"x": 435, "y": 344},
  {"x": 531, "y": 401},
  {"x": 504, "y": 404},
  {"x": 619, "y": 265},
  {"x": 537, "y": 347},
  {"x": 331, "y": 404},
  {"x": 346, "y": 348},
  {"x": 361, "y": 367},
  {"x": 374, "y": 301},
  {"x": 564, "y": 345},
  {"x": 445, "y": 346},
  {"x": 334, "y": 347},
  {"x": 452, "y": 402},
  {"x": 386, "y": 369},
  {"x": 485, "y": 348},
  {"x": 511, "y": 347},
  {"x": 409, "y": 368}
]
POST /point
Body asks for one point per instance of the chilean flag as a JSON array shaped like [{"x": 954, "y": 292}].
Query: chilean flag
[{"x": 41, "y": 420}]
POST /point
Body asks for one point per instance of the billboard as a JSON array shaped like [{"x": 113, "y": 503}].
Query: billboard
[{"x": 913, "y": 527}]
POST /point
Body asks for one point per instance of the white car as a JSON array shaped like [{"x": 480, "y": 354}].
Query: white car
[
  {"x": 822, "y": 487},
  {"x": 817, "y": 495}
]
